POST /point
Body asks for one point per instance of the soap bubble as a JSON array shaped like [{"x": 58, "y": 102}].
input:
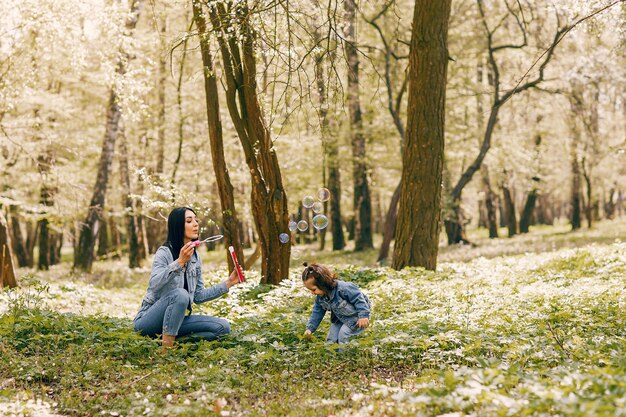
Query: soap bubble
[
  {"x": 293, "y": 226},
  {"x": 318, "y": 207},
  {"x": 303, "y": 225},
  {"x": 284, "y": 238},
  {"x": 308, "y": 201},
  {"x": 323, "y": 194},
  {"x": 296, "y": 253},
  {"x": 320, "y": 222}
]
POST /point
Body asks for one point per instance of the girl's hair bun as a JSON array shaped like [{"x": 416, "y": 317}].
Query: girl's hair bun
[{"x": 305, "y": 264}]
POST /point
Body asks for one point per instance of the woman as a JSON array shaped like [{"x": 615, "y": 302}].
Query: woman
[{"x": 176, "y": 283}]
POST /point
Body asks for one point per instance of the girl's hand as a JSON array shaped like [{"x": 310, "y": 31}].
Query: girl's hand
[
  {"x": 233, "y": 279},
  {"x": 307, "y": 334},
  {"x": 185, "y": 253},
  {"x": 363, "y": 323}
]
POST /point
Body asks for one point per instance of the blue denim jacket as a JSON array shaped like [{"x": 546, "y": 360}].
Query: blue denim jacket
[
  {"x": 347, "y": 304},
  {"x": 167, "y": 275}
]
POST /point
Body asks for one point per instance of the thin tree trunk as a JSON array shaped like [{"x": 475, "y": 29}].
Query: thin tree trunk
[
  {"x": 230, "y": 223},
  {"x": 46, "y": 199},
  {"x": 32, "y": 230},
  {"x": 56, "y": 244},
  {"x": 179, "y": 104},
  {"x": 419, "y": 213},
  {"x": 89, "y": 231},
  {"x": 589, "y": 208},
  {"x": 17, "y": 240},
  {"x": 575, "y": 216},
  {"x": 7, "y": 270},
  {"x": 142, "y": 234},
  {"x": 511, "y": 218},
  {"x": 162, "y": 73},
  {"x": 393, "y": 105},
  {"x": 489, "y": 203},
  {"x": 362, "y": 200},
  {"x": 527, "y": 212},
  {"x": 103, "y": 238},
  {"x": 329, "y": 141},
  {"x": 391, "y": 221},
  {"x": 116, "y": 242},
  {"x": 334, "y": 187},
  {"x": 134, "y": 256}
]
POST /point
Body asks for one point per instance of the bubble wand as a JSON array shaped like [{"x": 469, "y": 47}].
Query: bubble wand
[
  {"x": 209, "y": 239},
  {"x": 237, "y": 266}
]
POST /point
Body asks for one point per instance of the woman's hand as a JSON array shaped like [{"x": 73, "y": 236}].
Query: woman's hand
[
  {"x": 363, "y": 323},
  {"x": 233, "y": 279},
  {"x": 185, "y": 253}
]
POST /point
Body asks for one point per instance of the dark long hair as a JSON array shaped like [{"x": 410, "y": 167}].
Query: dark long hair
[
  {"x": 325, "y": 278},
  {"x": 176, "y": 230}
]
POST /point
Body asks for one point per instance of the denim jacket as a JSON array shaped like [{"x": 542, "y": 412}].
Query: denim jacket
[
  {"x": 167, "y": 275},
  {"x": 347, "y": 304}
]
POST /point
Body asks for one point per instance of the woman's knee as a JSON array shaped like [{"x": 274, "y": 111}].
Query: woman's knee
[
  {"x": 179, "y": 296},
  {"x": 225, "y": 327}
]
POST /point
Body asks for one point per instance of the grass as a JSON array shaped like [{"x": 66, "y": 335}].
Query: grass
[{"x": 505, "y": 333}]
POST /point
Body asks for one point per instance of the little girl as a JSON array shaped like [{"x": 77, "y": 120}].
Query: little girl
[{"x": 349, "y": 307}]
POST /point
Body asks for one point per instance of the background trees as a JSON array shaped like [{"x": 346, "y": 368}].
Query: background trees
[{"x": 58, "y": 61}]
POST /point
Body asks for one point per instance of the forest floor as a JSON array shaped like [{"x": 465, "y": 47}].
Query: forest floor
[{"x": 532, "y": 325}]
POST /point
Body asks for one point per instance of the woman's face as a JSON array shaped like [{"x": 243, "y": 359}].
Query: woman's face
[{"x": 192, "y": 227}]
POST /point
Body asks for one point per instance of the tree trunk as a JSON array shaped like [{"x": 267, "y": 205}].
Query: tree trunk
[
  {"x": 545, "y": 210},
  {"x": 362, "y": 199},
  {"x": 527, "y": 212},
  {"x": 103, "y": 238},
  {"x": 389, "y": 229},
  {"x": 230, "y": 223},
  {"x": 46, "y": 198},
  {"x": 89, "y": 231},
  {"x": 575, "y": 215},
  {"x": 269, "y": 199},
  {"x": 490, "y": 205},
  {"x": 116, "y": 242},
  {"x": 32, "y": 230},
  {"x": 331, "y": 155},
  {"x": 179, "y": 104},
  {"x": 590, "y": 204},
  {"x": 134, "y": 255},
  {"x": 511, "y": 218},
  {"x": 17, "y": 240},
  {"x": 143, "y": 248},
  {"x": 7, "y": 270},
  {"x": 454, "y": 226},
  {"x": 162, "y": 73},
  {"x": 419, "y": 213},
  {"x": 56, "y": 244},
  {"x": 610, "y": 203},
  {"x": 393, "y": 105}
]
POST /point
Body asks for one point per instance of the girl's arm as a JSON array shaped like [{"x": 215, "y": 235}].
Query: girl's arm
[
  {"x": 163, "y": 270},
  {"x": 317, "y": 315},
  {"x": 355, "y": 296}
]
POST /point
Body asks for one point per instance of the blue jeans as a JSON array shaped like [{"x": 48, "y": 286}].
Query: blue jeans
[
  {"x": 167, "y": 316},
  {"x": 341, "y": 333}
]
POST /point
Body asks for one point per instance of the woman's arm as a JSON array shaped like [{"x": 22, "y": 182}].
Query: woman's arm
[
  {"x": 201, "y": 294},
  {"x": 163, "y": 270}
]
